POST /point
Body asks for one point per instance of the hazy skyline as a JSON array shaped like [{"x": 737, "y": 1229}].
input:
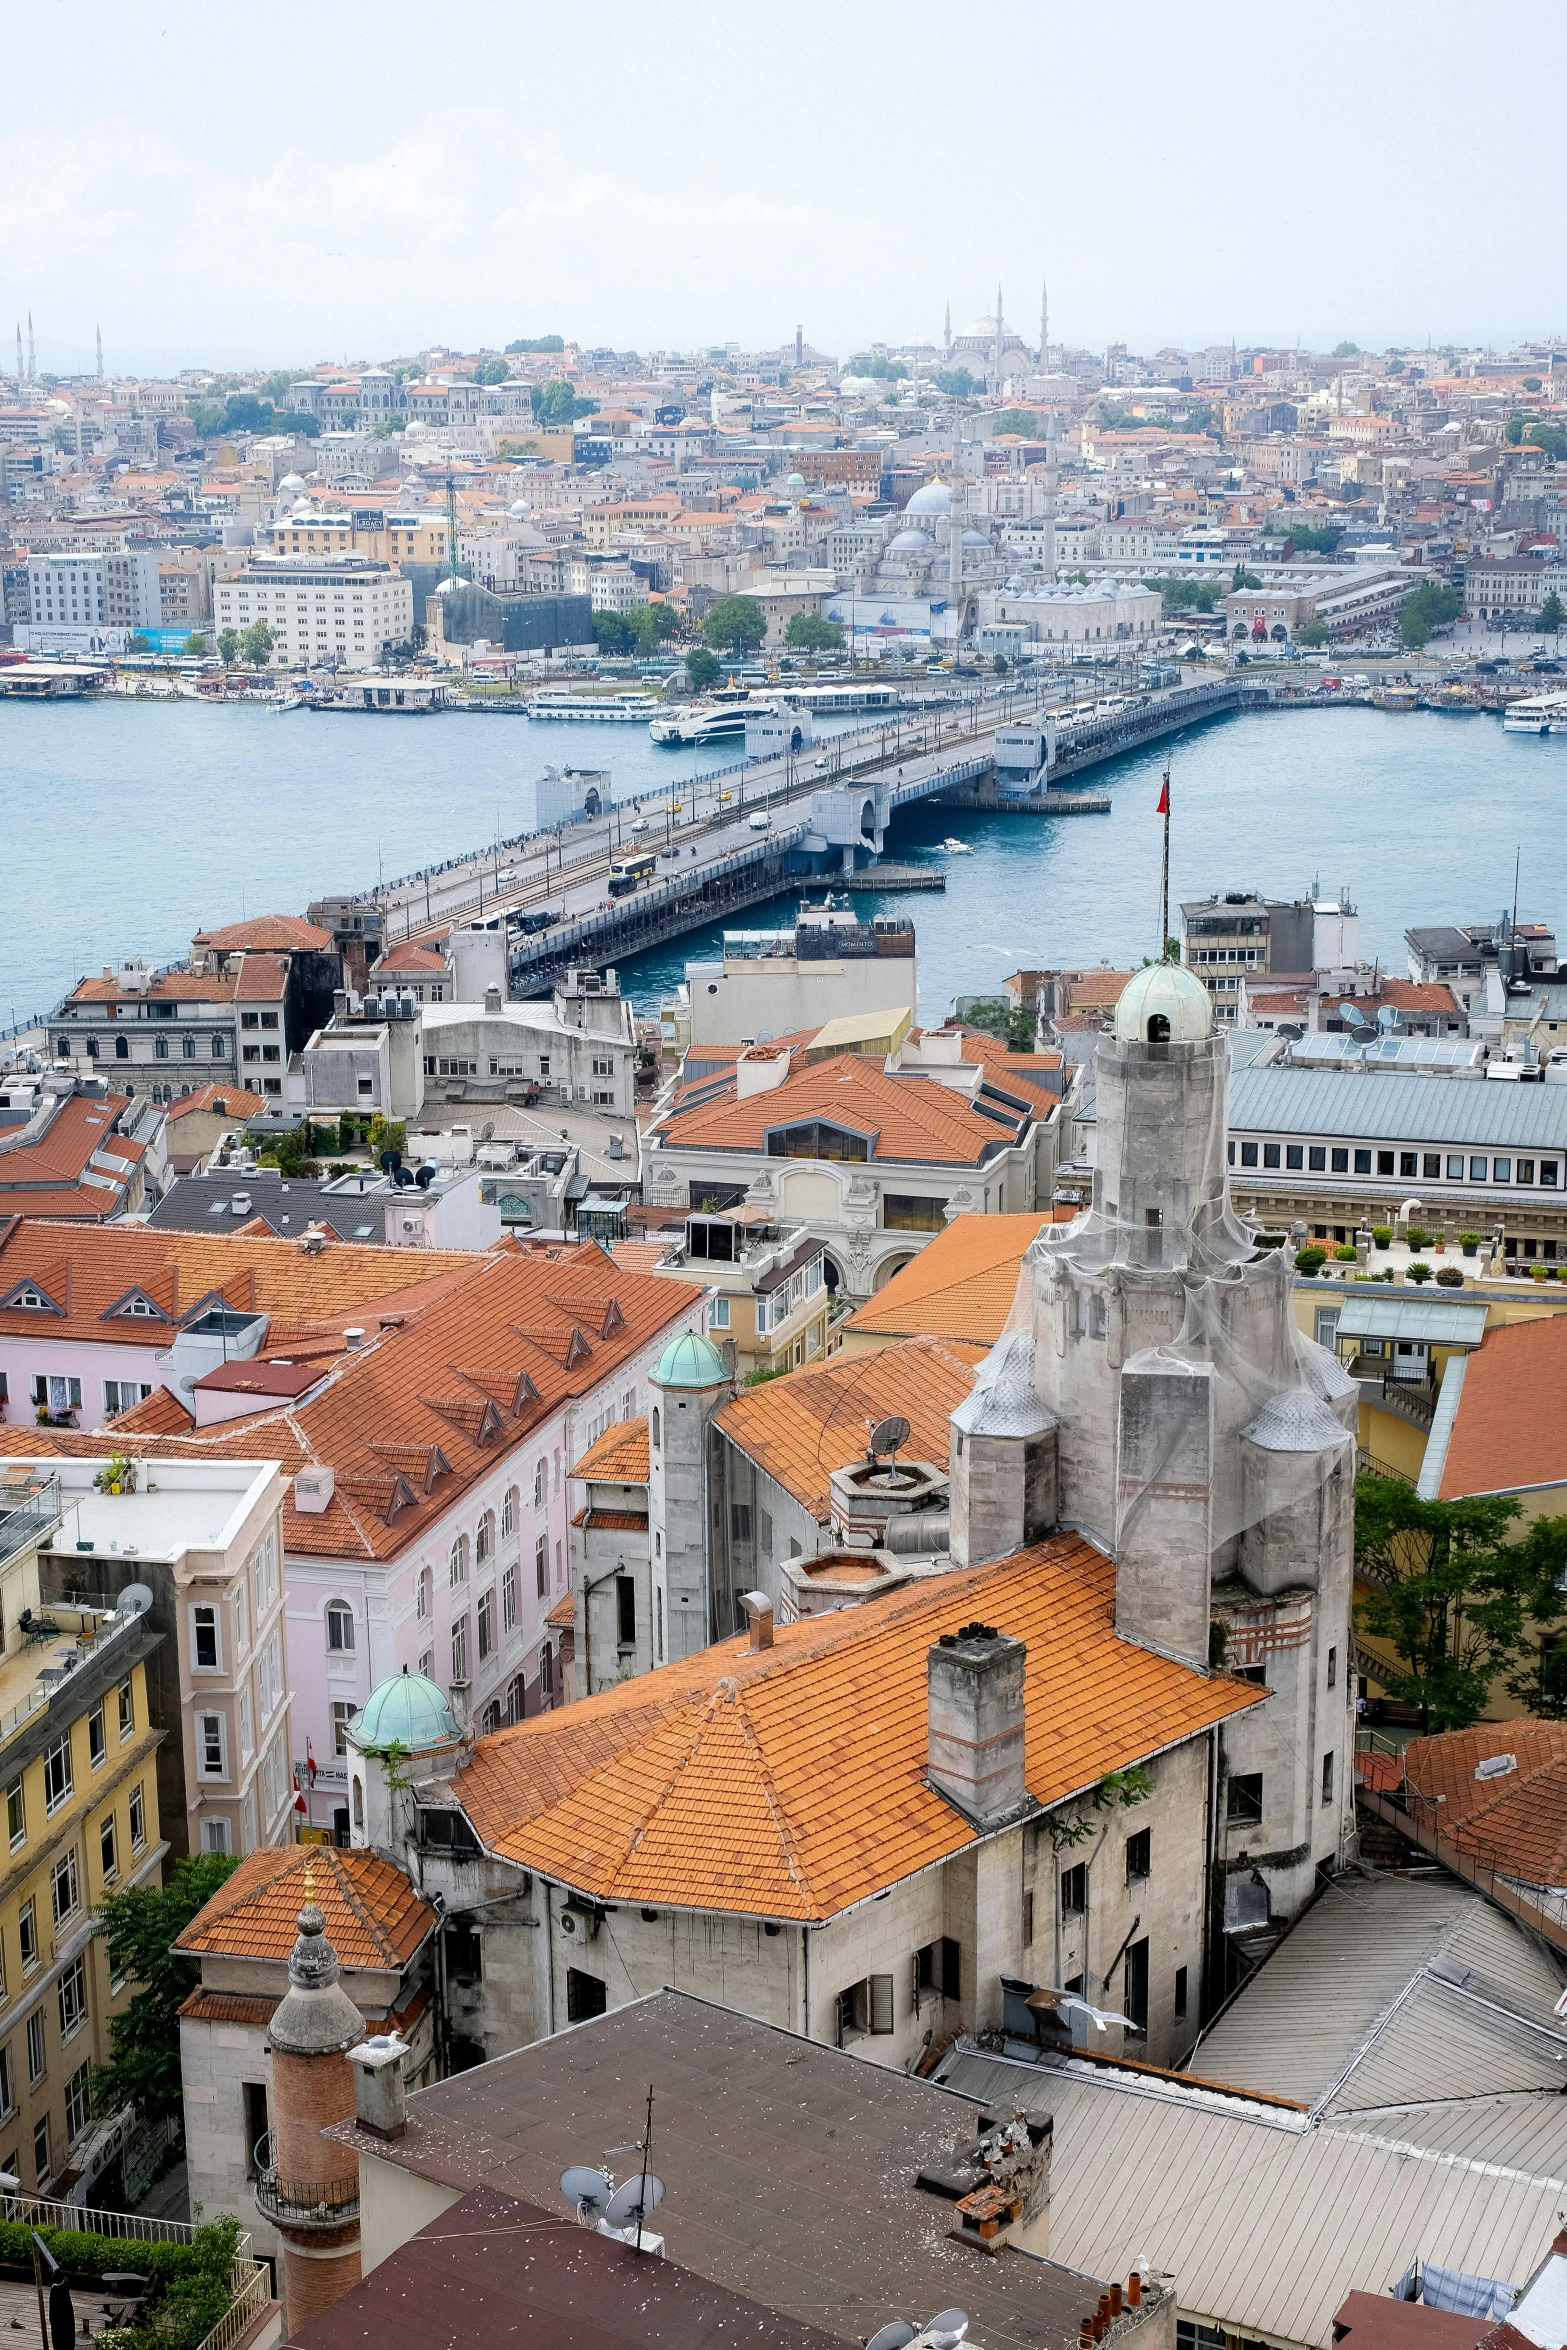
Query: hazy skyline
[{"x": 279, "y": 190}]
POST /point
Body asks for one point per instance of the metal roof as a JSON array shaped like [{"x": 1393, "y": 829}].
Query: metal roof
[
  {"x": 1432, "y": 1320},
  {"x": 1377, "y": 1108}
]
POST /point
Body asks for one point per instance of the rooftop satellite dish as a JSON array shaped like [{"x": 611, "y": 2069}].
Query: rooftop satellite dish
[
  {"x": 587, "y": 2190},
  {"x": 887, "y": 1435},
  {"x": 1353, "y": 1014},
  {"x": 641, "y": 2193},
  {"x": 899, "y": 2334},
  {"x": 947, "y": 2330},
  {"x": 134, "y": 1600}
]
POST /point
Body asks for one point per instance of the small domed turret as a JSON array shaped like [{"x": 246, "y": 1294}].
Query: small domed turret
[{"x": 1164, "y": 1004}]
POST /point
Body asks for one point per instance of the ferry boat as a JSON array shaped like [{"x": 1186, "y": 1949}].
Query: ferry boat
[
  {"x": 709, "y": 722},
  {"x": 568, "y": 702},
  {"x": 1536, "y": 714}
]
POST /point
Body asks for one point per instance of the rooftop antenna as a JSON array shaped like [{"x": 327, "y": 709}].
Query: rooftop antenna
[
  {"x": 1164, "y": 887},
  {"x": 1517, "y": 861}
]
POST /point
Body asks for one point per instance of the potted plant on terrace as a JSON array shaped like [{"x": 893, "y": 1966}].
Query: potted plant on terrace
[
  {"x": 1417, "y": 1273},
  {"x": 1449, "y": 1277},
  {"x": 1469, "y": 1242},
  {"x": 1382, "y": 1234},
  {"x": 1344, "y": 1254},
  {"x": 1310, "y": 1261}
]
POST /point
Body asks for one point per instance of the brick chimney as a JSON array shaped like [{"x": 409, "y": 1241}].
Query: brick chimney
[{"x": 975, "y": 1732}]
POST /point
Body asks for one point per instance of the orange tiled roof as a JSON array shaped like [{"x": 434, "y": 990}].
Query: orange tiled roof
[
  {"x": 409, "y": 955},
  {"x": 800, "y": 1428},
  {"x": 961, "y": 1285},
  {"x": 213, "y": 987},
  {"x": 458, "y": 1373},
  {"x": 913, "y": 1119},
  {"x": 158, "y": 1414},
  {"x": 620, "y": 1457},
  {"x": 1516, "y": 1823},
  {"x": 790, "y": 1782},
  {"x": 228, "y": 1101},
  {"x": 270, "y": 933},
  {"x": 374, "y": 1917},
  {"x": 78, "y": 1168},
  {"x": 262, "y": 979},
  {"x": 1510, "y": 1430}
]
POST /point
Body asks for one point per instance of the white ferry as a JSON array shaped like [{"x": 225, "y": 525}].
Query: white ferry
[
  {"x": 1537, "y": 714},
  {"x": 633, "y": 709},
  {"x": 709, "y": 722}
]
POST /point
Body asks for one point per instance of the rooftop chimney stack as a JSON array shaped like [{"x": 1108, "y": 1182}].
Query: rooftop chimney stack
[
  {"x": 975, "y": 1733},
  {"x": 759, "y": 1618},
  {"x": 380, "y": 2098}
]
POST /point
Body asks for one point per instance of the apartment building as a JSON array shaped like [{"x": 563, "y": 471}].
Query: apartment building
[
  {"x": 380, "y": 533},
  {"x": 342, "y": 609},
  {"x": 95, "y": 590},
  {"x": 78, "y": 1761},
  {"x": 1241, "y": 935}
]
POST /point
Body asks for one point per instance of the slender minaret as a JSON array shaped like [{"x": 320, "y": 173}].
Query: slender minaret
[
  {"x": 1044, "y": 328},
  {"x": 100, "y": 354},
  {"x": 310, "y": 2188},
  {"x": 996, "y": 364},
  {"x": 32, "y": 360}
]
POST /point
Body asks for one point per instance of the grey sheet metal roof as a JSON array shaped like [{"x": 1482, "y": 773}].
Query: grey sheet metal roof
[
  {"x": 1483, "y": 1115},
  {"x": 1331, "y": 1998},
  {"x": 1441, "y": 2041},
  {"x": 202, "y": 1203},
  {"x": 1265, "y": 2228},
  {"x": 1431, "y": 1319}
]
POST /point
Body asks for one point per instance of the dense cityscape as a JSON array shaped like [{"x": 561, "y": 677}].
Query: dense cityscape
[{"x": 722, "y": 1614}]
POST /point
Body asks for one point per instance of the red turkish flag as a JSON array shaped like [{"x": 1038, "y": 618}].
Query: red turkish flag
[{"x": 1163, "y": 808}]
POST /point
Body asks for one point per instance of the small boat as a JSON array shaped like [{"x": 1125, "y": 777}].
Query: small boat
[
  {"x": 955, "y": 848},
  {"x": 285, "y": 701}
]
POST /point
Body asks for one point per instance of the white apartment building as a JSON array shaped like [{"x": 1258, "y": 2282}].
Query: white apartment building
[
  {"x": 341, "y": 608},
  {"x": 95, "y": 590}
]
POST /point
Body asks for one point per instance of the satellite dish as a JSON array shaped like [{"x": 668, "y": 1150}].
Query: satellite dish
[
  {"x": 947, "y": 2330},
  {"x": 900, "y": 2333},
  {"x": 1353, "y": 1014},
  {"x": 634, "y": 2200},
  {"x": 887, "y": 1435},
  {"x": 134, "y": 1600},
  {"x": 587, "y": 2190}
]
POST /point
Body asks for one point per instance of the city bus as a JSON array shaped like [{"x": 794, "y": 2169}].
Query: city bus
[{"x": 626, "y": 873}]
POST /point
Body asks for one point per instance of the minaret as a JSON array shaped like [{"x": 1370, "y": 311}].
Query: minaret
[
  {"x": 310, "y": 2187},
  {"x": 100, "y": 354},
  {"x": 996, "y": 367}
]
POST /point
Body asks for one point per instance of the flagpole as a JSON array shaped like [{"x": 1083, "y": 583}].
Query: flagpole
[{"x": 1164, "y": 901}]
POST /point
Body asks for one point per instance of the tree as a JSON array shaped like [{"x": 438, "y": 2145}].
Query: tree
[
  {"x": 1310, "y": 538},
  {"x": 228, "y": 646},
  {"x": 956, "y": 383},
  {"x": 138, "y": 643},
  {"x": 537, "y": 343},
  {"x": 1540, "y": 1680},
  {"x": 195, "y": 645},
  {"x": 1532, "y": 383},
  {"x": 390, "y": 424},
  {"x": 701, "y": 669},
  {"x": 139, "y": 1927},
  {"x": 256, "y": 643},
  {"x": 1346, "y": 351},
  {"x": 1244, "y": 578},
  {"x": 999, "y": 665},
  {"x": 1549, "y": 437},
  {"x": 735, "y": 624},
  {"x": 808, "y": 632},
  {"x": 1447, "y": 1593},
  {"x": 1431, "y": 607},
  {"x": 1013, "y": 1023},
  {"x": 611, "y": 634},
  {"x": 1552, "y": 613},
  {"x": 650, "y": 625},
  {"x": 491, "y": 371},
  {"x": 887, "y": 370},
  {"x": 1414, "y": 627},
  {"x": 1311, "y": 633},
  {"x": 557, "y": 403},
  {"x": 1186, "y": 595}
]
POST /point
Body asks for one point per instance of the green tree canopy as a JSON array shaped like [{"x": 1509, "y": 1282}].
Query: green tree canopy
[
  {"x": 491, "y": 371},
  {"x": 1244, "y": 578},
  {"x": 228, "y": 646},
  {"x": 1311, "y": 538},
  {"x": 701, "y": 669},
  {"x": 612, "y": 634},
  {"x": 195, "y": 645},
  {"x": 956, "y": 383},
  {"x": 558, "y": 403},
  {"x": 1186, "y": 595},
  {"x": 538, "y": 343},
  {"x": 139, "y": 1927},
  {"x": 651, "y": 625},
  {"x": 999, "y": 1016},
  {"x": 1311, "y": 633},
  {"x": 808, "y": 632},
  {"x": 256, "y": 643},
  {"x": 735, "y": 624},
  {"x": 1346, "y": 351},
  {"x": 1447, "y": 1593},
  {"x": 1552, "y": 613},
  {"x": 888, "y": 370},
  {"x": 1431, "y": 607}
]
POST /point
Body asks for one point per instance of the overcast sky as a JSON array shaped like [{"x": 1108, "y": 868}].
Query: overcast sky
[{"x": 279, "y": 185}]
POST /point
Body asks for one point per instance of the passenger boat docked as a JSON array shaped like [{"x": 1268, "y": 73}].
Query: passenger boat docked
[
  {"x": 568, "y": 702},
  {"x": 708, "y": 722}
]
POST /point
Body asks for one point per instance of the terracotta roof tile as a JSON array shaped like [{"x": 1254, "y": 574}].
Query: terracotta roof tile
[
  {"x": 235, "y": 1102},
  {"x": 270, "y": 933},
  {"x": 1515, "y": 1823},
  {"x": 1510, "y": 1430},
  {"x": 961, "y": 1285},
  {"x": 620, "y": 1457},
  {"x": 226, "y": 2007},
  {"x": 903, "y": 1118},
  {"x": 790, "y": 1782},
  {"x": 800, "y": 1428},
  {"x": 374, "y": 1918}
]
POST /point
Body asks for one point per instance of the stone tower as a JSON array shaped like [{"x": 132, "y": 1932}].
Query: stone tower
[
  {"x": 1154, "y": 1391},
  {"x": 690, "y": 1383},
  {"x": 310, "y": 2188}
]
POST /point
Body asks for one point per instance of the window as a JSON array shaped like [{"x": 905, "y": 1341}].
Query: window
[
  {"x": 343, "y": 1712},
  {"x": 457, "y": 1565},
  {"x": 1316, "y": 1158},
  {"x": 263, "y": 1566},
  {"x": 547, "y": 1669},
  {"x": 340, "y": 1628},
  {"x": 215, "y": 1836},
  {"x": 866, "y": 2006},
  {"x": 1363, "y": 1163},
  {"x": 1327, "y": 1778},
  {"x": 241, "y": 1617},
  {"x": 460, "y": 1649},
  {"x": 740, "y": 1521},
  {"x": 1384, "y": 1162},
  {"x": 274, "y": 1778},
  {"x": 939, "y": 1968},
  {"x": 509, "y": 1599},
  {"x": 138, "y": 1818},
  {"x": 718, "y": 1313},
  {"x": 97, "y": 1738},
  {"x": 63, "y": 1889},
  {"x": 1501, "y": 1170},
  {"x": 1245, "y": 1798},
  {"x": 1477, "y": 1168},
  {"x": 78, "y": 2103},
  {"x": 15, "y": 1815},
  {"x": 1294, "y": 1155},
  {"x": 1270, "y": 1154},
  {"x": 1074, "y": 1890},
  {"x": 7, "y": 2090},
  {"x": 1134, "y": 1998},
  {"x": 486, "y": 1616},
  {"x": 269, "y": 1675},
  {"x": 204, "y": 1639},
  {"x": 625, "y": 1611},
  {"x": 120, "y": 1394},
  {"x": 1248, "y": 1154},
  {"x": 907, "y": 1212},
  {"x": 1524, "y": 1172},
  {"x": 484, "y": 1541},
  {"x": 586, "y": 1996},
  {"x": 41, "y": 2167},
  {"x": 58, "y": 1778},
  {"x": 1455, "y": 1166},
  {"x": 73, "y": 1999},
  {"x": 1180, "y": 1995},
  {"x": 1139, "y": 1855},
  {"x": 658, "y": 1442},
  {"x": 509, "y": 1513},
  {"x": 422, "y": 1594},
  {"x": 540, "y": 1482},
  {"x": 1332, "y": 1668},
  {"x": 37, "y": 2053},
  {"x": 211, "y": 1747},
  {"x": 108, "y": 1849},
  {"x": 541, "y": 1566},
  {"x": 1340, "y": 1162}
]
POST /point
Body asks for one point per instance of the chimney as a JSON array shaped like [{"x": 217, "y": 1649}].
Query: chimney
[
  {"x": 759, "y": 1618},
  {"x": 760, "y": 1069},
  {"x": 313, "y": 1489},
  {"x": 380, "y": 2101},
  {"x": 492, "y": 1000},
  {"x": 353, "y": 1337},
  {"x": 340, "y": 1003},
  {"x": 975, "y": 1732}
]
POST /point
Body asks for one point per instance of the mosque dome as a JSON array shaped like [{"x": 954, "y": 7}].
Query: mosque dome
[
  {"x": 1171, "y": 994},
  {"x": 1296, "y": 1422},
  {"x": 409, "y": 1709},
  {"x": 934, "y": 498},
  {"x": 291, "y": 485},
  {"x": 520, "y": 506},
  {"x": 1003, "y": 1400},
  {"x": 910, "y": 542},
  {"x": 796, "y": 481},
  {"x": 975, "y": 538},
  {"x": 690, "y": 1361}
]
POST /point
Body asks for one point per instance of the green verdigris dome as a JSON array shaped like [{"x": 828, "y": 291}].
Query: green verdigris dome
[
  {"x": 688, "y": 1361},
  {"x": 407, "y": 1710}
]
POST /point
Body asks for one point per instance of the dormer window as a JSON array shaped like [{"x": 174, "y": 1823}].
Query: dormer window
[{"x": 31, "y": 1300}]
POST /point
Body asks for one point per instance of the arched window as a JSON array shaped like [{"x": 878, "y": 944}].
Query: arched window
[
  {"x": 490, "y": 1719},
  {"x": 1158, "y": 1028},
  {"x": 547, "y": 1669},
  {"x": 122, "y": 1048},
  {"x": 422, "y": 1594},
  {"x": 484, "y": 1542},
  {"x": 509, "y": 1512},
  {"x": 516, "y": 1699},
  {"x": 359, "y": 1803},
  {"x": 340, "y": 1627},
  {"x": 540, "y": 1474},
  {"x": 92, "y": 1048},
  {"x": 658, "y": 1439},
  {"x": 459, "y": 1559}
]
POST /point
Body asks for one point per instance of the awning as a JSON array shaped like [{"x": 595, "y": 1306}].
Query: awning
[{"x": 1434, "y": 1321}]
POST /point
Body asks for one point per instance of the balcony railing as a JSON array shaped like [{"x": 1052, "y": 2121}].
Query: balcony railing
[
  {"x": 308, "y": 2203},
  {"x": 43, "y": 2211}
]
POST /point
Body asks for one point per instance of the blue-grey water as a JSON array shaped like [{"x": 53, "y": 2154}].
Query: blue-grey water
[{"x": 125, "y": 827}]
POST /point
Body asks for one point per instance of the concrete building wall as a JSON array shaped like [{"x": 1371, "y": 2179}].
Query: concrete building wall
[{"x": 217, "y": 2062}]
